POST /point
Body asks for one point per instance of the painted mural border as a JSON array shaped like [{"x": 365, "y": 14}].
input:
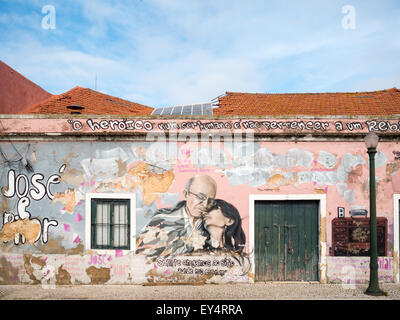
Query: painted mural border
[
  {"x": 322, "y": 263},
  {"x": 110, "y": 195}
]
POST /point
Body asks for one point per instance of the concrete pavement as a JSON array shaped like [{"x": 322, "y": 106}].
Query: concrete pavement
[{"x": 239, "y": 291}]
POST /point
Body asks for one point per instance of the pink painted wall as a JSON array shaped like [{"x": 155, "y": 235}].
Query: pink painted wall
[
  {"x": 350, "y": 190},
  {"x": 338, "y": 169}
]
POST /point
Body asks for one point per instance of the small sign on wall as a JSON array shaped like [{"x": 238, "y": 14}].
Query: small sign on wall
[
  {"x": 340, "y": 211},
  {"x": 358, "y": 213}
]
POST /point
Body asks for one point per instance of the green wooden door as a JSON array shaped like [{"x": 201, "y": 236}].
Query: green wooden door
[{"x": 286, "y": 240}]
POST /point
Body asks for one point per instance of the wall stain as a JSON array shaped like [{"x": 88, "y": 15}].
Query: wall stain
[
  {"x": 355, "y": 175},
  {"x": 121, "y": 167},
  {"x": 98, "y": 276},
  {"x": 152, "y": 184},
  {"x": 30, "y": 229},
  {"x": 276, "y": 180},
  {"x": 63, "y": 277},
  {"x": 39, "y": 261},
  {"x": 7, "y": 246},
  {"x": 71, "y": 156},
  {"x": 322, "y": 272},
  {"x": 72, "y": 177},
  {"x": 54, "y": 246},
  {"x": 28, "y": 259},
  {"x": 395, "y": 263},
  {"x": 392, "y": 168},
  {"x": 70, "y": 198},
  {"x": 4, "y": 206},
  {"x": 8, "y": 274},
  {"x": 322, "y": 231},
  {"x": 252, "y": 276}
]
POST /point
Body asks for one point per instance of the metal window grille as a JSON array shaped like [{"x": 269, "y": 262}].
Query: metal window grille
[{"x": 110, "y": 224}]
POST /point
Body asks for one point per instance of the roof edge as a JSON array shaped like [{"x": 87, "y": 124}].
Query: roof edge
[
  {"x": 179, "y": 117},
  {"x": 313, "y": 93}
]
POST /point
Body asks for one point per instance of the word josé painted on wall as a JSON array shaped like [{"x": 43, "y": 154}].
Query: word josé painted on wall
[
  {"x": 92, "y": 125},
  {"x": 19, "y": 226}
]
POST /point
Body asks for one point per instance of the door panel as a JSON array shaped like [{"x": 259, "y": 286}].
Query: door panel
[{"x": 286, "y": 240}]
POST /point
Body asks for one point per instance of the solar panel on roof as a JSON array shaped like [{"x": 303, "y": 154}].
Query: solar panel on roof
[
  {"x": 157, "y": 111},
  {"x": 207, "y": 109},
  {"x": 167, "y": 111},
  {"x": 187, "y": 110},
  {"x": 177, "y": 110},
  {"x": 195, "y": 110}
]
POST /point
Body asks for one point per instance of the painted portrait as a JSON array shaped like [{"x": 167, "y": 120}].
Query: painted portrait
[{"x": 199, "y": 222}]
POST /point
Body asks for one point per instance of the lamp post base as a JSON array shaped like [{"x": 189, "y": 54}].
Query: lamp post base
[{"x": 374, "y": 292}]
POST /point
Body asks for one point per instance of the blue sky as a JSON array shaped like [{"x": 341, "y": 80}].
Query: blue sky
[{"x": 170, "y": 52}]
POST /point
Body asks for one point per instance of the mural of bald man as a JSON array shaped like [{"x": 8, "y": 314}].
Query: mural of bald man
[{"x": 180, "y": 229}]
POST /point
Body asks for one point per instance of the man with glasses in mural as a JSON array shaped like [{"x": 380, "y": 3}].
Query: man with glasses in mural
[{"x": 180, "y": 229}]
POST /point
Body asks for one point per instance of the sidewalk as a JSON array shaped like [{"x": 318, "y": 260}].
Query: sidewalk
[{"x": 255, "y": 291}]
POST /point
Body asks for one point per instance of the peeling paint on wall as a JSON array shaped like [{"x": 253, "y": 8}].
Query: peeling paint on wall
[
  {"x": 33, "y": 264},
  {"x": 327, "y": 159},
  {"x": 29, "y": 229},
  {"x": 392, "y": 168},
  {"x": 63, "y": 277},
  {"x": 98, "y": 275},
  {"x": 55, "y": 246},
  {"x": 158, "y": 178},
  {"x": 72, "y": 176},
  {"x": 152, "y": 184},
  {"x": 8, "y": 272},
  {"x": 70, "y": 198}
]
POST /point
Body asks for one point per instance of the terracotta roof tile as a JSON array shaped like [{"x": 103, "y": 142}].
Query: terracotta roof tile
[
  {"x": 87, "y": 101},
  {"x": 384, "y": 102}
]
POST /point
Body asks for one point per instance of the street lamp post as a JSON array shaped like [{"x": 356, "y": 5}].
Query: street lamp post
[{"x": 371, "y": 142}]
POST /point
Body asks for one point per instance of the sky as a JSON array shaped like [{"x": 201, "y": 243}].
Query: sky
[{"x": 177, "y": 52}]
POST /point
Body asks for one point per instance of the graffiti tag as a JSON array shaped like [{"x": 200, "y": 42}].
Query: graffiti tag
[{"x": 266, "y": 125}]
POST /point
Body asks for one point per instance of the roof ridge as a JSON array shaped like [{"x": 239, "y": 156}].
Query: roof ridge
[
  {"x": 85, "y": 97},
  {"x": 114, "y": 97},
  {"x": 309, "y": 93},
  {"x": 379, "y": 102}
]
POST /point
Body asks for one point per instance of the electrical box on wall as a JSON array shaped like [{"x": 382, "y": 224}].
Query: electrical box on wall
[{"x": 340, "y": 211}]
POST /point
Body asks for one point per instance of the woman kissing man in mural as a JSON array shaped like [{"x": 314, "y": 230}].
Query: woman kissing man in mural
[
  {"x": 199, "y": 222},
  {"x": 224, "y": 224}
]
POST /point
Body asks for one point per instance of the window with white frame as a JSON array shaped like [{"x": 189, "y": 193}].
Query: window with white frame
[{"x": 110, "y": 221}]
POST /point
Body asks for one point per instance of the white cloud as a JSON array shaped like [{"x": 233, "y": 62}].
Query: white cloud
[
  {"x": 173, "y": 52},
  {"x": 56, "y": 67}
]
